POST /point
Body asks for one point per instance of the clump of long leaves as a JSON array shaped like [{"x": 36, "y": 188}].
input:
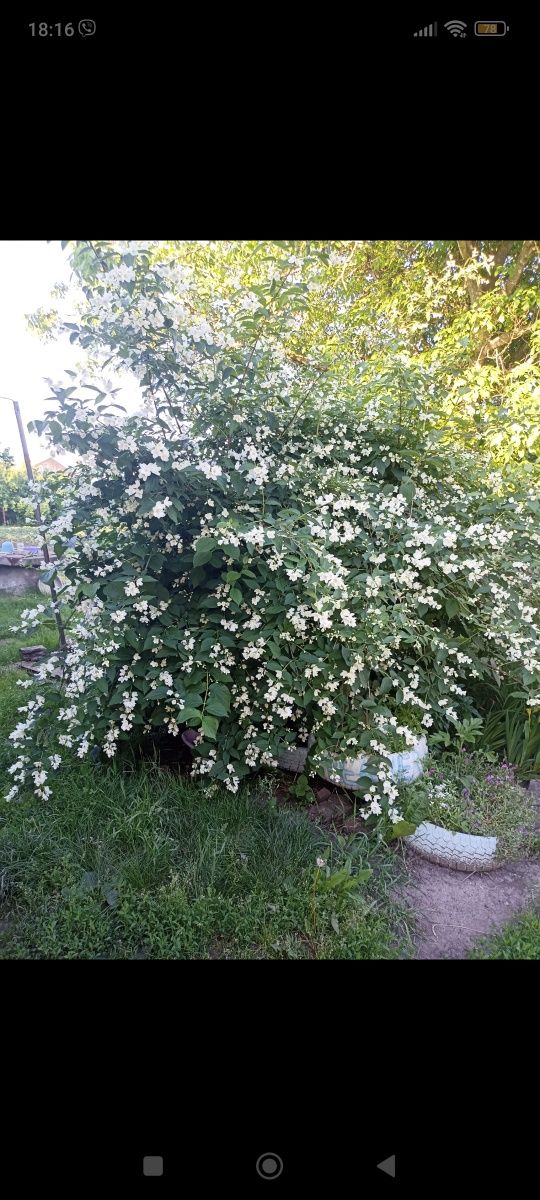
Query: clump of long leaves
[{"x": 513, "y": 731}]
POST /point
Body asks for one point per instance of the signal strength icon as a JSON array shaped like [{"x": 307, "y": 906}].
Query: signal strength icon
[
  {"x": 427, "y": 31},
  {"x": 456, "y": 28}
]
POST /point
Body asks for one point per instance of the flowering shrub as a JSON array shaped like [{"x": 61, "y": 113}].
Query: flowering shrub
[{"x": 259, "y": 559}]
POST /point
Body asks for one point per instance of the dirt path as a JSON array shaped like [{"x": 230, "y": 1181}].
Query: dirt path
[{"x": 454, "y": 910}]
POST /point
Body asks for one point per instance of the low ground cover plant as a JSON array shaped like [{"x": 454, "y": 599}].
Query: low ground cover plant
[
  {"x": 520, "y": 939},
  {"x": 474, "y": 793}
]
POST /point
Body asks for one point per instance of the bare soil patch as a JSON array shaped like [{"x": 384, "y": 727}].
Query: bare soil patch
[{"x": 453, "y": 910}]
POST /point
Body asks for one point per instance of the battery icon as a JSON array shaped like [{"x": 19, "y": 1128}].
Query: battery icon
[{"x": 490, "y": 28}]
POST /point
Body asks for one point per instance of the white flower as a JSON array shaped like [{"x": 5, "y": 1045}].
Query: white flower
[
  {"x": 147, "y": 469},
  {"x": 160, "y": 509},
  {"x": 210, "y": 469},
  {"x": 159, "y": 450},
  {"x": 258, "y": 475},
  {"x": 19, "y": 732},
  {"x": 320, "y": 862}
]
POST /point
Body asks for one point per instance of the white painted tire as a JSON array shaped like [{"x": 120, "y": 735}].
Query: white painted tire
[
  {"x": 460, "y": 851},
  {"x": 405, "y": 766},
  {"x": 294, "y": 759},
  {"x": 44, "y": 589}
]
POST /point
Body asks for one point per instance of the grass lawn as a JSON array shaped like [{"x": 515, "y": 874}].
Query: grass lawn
[
  {"x": 19, "y": 533},
  {"x": 139, "y": 863},
  {"x": 520, "y": 939},
  {"x": 10, "y": 643}
]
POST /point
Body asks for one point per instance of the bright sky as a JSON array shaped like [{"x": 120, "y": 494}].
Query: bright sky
[{"x": 28, "y": 272}]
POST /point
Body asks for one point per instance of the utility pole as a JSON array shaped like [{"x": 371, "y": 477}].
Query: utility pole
[{"x": 39, "y": 521}]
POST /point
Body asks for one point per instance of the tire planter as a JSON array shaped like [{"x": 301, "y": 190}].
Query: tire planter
[
  {"x": 405, "y": 766},
  {"x": 460, "y": 851},
  {"x": 44, "y": 589},
  {"x": 294, "y": 758}
]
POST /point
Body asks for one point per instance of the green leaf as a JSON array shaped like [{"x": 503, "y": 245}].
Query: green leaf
[
  {"x": 408, "y": 490},
  {"x": 452, "y": 606},
  {"x": 189, "y": 714},
  {"x": 172, "y": 638},
  {"x": 301, "y": 788},
  {"x": 48, "y": 575},
  {"x": 362, "y": 876},
  {"x": 204, "y": 550},
  {"x": 197, "y": 576},
  {"x": 231, "y": 551},
  {"x": 210, "y": 727},
  {"x": 402, "y": 829},
  {"x": 219, "y": 700}
]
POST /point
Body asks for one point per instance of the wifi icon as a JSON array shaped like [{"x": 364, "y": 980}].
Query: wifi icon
[{"x": 456, "y": 28}]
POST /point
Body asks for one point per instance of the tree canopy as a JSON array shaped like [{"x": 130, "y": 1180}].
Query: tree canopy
[{"x": 445, "y": 332}]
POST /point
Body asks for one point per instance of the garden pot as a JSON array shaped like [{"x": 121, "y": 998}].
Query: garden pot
[
  {"x": 190, "y": 737},
  {"x": 460, "y": 851}
]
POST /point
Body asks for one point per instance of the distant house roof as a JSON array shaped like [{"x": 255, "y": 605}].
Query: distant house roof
[{"x": 49, "y": 464}]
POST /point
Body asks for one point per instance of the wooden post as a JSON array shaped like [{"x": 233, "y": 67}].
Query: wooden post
[{"x": 37, "y": 514}]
